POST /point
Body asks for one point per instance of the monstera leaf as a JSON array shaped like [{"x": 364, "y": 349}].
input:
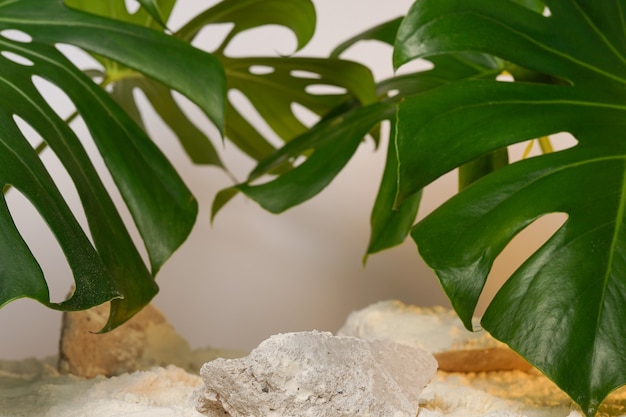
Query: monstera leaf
[
  {"x": 333, "y": 141},
  {"x": 273, "y": 85},
  {"x": 563, "y": 309},
  {"x": 104, "y": 261},
  {"x": 123, "y": 82}
]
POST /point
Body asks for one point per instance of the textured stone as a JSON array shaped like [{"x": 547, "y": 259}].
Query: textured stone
[
  {"x": 145, "y": 341},
  {"x": 437, "y": 330},
  {"x": 317, "y": 374},
  {"x": 434, "y": 329}
]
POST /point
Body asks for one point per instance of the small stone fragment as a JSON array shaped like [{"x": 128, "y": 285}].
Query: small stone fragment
[
  {"x": 317, "y": 374},
  {"x": 145, "y": 341}
]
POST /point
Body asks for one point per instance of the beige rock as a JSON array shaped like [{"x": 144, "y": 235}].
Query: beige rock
[
  {"x": 481, "y": 360},
  {"x": 145, "y": 341},
  {"x": 437, "y": 330}
]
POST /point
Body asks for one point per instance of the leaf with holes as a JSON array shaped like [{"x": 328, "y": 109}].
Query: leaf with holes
[
  {"x": 123, "y": 81},
  {"x": 271, "y": 95},
  {"x": 333, "y": 141},
  {"x": 274, "y": 85},
  {"x": 391, "y": 224},
  {"x": 296, "y": 15},
  {"x": 162, "y": 207},
  {"x": 563, "y": 309},
  {"x": 283, "y": 82}
]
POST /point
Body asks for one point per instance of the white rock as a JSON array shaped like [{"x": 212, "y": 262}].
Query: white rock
[
  {"x": 319, "y": 375},
  {"x": 434, "y": 329},
  {"x": 437, "y": 330}
]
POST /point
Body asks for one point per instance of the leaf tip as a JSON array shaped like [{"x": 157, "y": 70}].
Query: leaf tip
[
  {"x": 221, "y": 199},
  {"x": 365, "y": 258}
]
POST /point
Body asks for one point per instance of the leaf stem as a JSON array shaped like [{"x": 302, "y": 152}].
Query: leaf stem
[
  {"x": 545, "y": 144},
  {"x": 528, "y": 148}
]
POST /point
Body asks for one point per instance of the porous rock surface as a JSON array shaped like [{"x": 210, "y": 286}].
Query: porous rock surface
[
  {"x": 317, "y": 374},
  {"x": 434, "y": 329},
  {"x": 145, "y": 341}
]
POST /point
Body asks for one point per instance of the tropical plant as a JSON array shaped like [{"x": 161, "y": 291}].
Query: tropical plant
[
  {"x": 136, "y": 51},
  {"x": 105, "y": 263},
  {"x": 562, "y": 309}
]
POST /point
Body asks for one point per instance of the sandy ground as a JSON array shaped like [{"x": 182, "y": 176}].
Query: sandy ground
[{"x": 35, "y": 388}]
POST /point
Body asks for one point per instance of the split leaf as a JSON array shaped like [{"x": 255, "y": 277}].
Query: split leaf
[
  {"x": 105, "y": 263},
  {"x": 563, "y": 308}
]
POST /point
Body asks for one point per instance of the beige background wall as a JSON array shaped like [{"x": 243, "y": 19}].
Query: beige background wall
[{"x": 253, "y": 274}]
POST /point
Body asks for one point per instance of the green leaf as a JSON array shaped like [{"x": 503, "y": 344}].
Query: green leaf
[
  {"x": 153, "y": 9},
  {"x": 535, "y": 41},
  {"x": 153, "y": 13},
  {"x": 87, "y": 31},
  {"x": 124, "y": 82},
  {"x": 194, "y": 141},
  {"x": 385, "y": 32},
  {"x": 297, "y": 15},
  {"x": 536, "y": 5},
  {"x": 270, "y": 94},
  {"x": 284, "y": 82},
  {"x": 389, "y": 225},
  {"x": 274, "y": 84},
  {"x": 221, "y": 199},
  {"x": 51, "y": 22},
  {"x": 335, "y": 141},
  {"x": 100, "y": 274},
  {"x": 563, "y": 308},
  {"x": 336, "y": 137},
  {"x": 347, "y": 125},
  {"x": 20, "y": 274},
  {"x": 163, "y": 209}
]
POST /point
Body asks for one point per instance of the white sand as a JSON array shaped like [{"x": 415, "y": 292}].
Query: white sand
[{"x": 34, "y": 388}]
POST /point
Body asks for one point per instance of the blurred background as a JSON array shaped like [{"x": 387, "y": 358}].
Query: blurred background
[{"x": 253, "y": 274}]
